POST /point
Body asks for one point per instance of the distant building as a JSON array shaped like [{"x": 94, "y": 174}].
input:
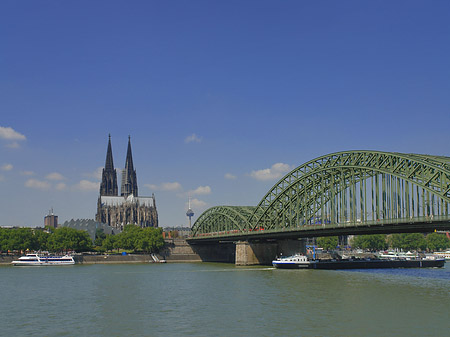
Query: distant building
[
  {"x": 90, "y": 226},
  {"x": 128, "y": 208},
  {"x": 182, "y": 232},
  {"x": 51, "y": 220}
]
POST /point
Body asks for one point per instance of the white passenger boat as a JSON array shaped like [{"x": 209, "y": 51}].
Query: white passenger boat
[
  {"x": 445, "y": 255},
  {"x": 40, "y": 260}
]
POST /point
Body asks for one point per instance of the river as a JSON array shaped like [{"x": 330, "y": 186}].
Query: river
[{"x": 209, "y": 299}]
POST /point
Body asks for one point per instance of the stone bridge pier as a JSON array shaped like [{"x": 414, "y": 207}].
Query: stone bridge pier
[
  {"x": 247, "y": 253},
  {"x": 263, "y": 253}
]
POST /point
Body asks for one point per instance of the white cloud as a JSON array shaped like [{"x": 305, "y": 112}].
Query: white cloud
[
  {"x": 174, "y": 186},
  {"x": 38, "y": 184},
  {"x": 7, "y": 167},
  {"x": 97, "y": 174},
  {"x": 275, "y": 172},
  {"x": 60, "y": 186},
  {"x": 230, "y": 176},
  {"x": 201, "y": 190},
  {"x": 86, "y": 185},
  {"x": 197, "y": 204},
  {"x": 55, "y": 176},
  {"x": 193, "y": 139},
  {"x": 10, "y": 134}
]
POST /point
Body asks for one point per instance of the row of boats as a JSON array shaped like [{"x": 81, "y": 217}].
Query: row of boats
[{"x": 383, "y": 260}]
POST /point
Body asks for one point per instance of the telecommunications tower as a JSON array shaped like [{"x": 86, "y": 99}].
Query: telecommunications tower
[{"x": 190, "y": 212}]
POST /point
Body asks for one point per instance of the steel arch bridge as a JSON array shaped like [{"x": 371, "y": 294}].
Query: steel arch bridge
[{"x": 344, "y": 192}]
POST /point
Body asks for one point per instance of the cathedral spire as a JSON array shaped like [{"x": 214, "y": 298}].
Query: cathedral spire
[
  {"x": 129, "y": 180},
  {"x": 109, "y": 164},
  {"x": 108, "y": 186}
]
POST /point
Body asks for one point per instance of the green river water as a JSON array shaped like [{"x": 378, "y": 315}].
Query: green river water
[{"x": 205, "y": 299}]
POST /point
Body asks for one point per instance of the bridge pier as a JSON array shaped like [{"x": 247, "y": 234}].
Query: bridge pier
[
  {"x": 263, "y": 253},
  {"x": 249, "y": 253}
]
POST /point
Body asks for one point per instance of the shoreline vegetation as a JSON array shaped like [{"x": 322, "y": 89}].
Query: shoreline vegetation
[{"x": 133, "y": 239}]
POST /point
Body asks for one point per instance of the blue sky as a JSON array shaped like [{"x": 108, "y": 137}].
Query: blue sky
[{"x": 221, "y": 98}]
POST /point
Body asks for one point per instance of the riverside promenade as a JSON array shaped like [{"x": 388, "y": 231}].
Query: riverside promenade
[{"x": 174, "y": 251}]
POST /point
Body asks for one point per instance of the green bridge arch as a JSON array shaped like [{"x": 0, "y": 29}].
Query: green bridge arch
[{"x": 351, "y": 188}]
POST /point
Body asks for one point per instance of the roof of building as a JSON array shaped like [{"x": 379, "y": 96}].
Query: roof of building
[{"x": 116, "y": 201}]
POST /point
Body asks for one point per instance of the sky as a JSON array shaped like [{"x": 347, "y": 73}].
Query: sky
[{"x": 220, "y": 98}]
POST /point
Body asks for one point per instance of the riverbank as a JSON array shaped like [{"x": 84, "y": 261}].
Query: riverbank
[
  {"x": 110, "y": 258},
  {"x": 174, "y": 251}
]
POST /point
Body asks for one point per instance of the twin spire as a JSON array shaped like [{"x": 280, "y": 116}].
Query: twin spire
[{"x": 108, "y": 186}]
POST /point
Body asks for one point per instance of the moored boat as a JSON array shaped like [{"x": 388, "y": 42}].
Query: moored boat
[
  {"x": 445, "y": 255},
  {"x": 296, "y": 261},
  {"x": 43, "y": 260},
  {"x": 302, "y": 262}
]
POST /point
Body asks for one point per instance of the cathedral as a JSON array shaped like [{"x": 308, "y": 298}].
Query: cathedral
[{"x": 128, "y": 208}]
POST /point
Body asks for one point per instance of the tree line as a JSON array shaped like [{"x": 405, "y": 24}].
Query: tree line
[
  {"x": 64, "y": 239},
  {"x": 53, "y": 240},
  {"x": 148, "y": 239},
  {"x": 405, "y": 241}
]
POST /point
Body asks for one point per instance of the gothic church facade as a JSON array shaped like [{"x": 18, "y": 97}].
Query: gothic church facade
[{"x": 128, "y": 208}]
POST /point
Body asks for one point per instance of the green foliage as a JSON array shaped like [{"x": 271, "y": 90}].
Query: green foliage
[
  {"x": 22, "y": 239},
  {"x": 436, "y": 242},
  {"x": 327, "y": 242},
  {"x": 99, "y": 237},
  {"x": 408, "y": 241},
  {"x": 18, "y": 239},
  {"x": 41, "y": 240},
  {"x": 148, "y": 239},
  {"x": 133, "y": 238},
  {"x": 65, "y": 238},
  {"x": 108, "y": 242},
  {"x": 4, "y": 238},
  {"x": 370, "y": 242}
]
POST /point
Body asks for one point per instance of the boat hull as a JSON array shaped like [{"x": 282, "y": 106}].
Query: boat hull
[
  {"x": 362, "y": 264},
  {"x": 18, "y": 263},
  {"x": 291, "y": 265}
]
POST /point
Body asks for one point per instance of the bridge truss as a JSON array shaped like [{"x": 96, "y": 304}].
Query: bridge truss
[{"x": 344, "y": 189}]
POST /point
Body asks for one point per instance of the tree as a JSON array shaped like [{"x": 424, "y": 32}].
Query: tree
[
  {"x": 4, "y": 239},
  {"x": 327, "y": 242},
  {"x": 99, "y": 237},
  {"x": 150, "y": 240},
  {"x": 21, "y": 239},
  {"x": 135, "y": 238},
  {"x": 127, "y": 239},
  {"x": 108, "y": 242},
  {"x": 370, "y": 242},
  {"x": 408, "y": 241},
  {"x": 65, "y": 238},
  {"x": 436, "y": 242},
  {"x": 41, "y": 239}
]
